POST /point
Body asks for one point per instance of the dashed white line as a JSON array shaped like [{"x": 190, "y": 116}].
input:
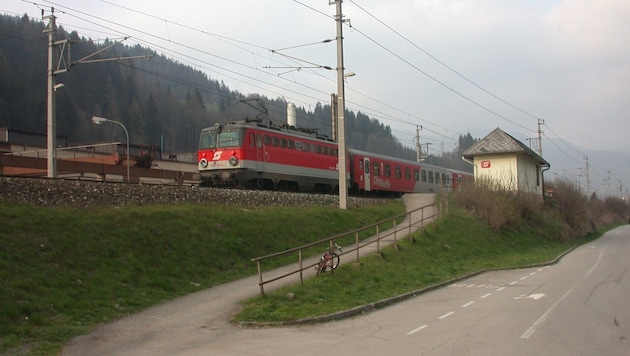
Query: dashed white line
[
  {"x": 468, "y": 304},
  {"x": 533, "y": 273},
  {"x": 485, "y": 295},
  {"x": 446, "y": 315},
  {"x": 500, "y": 289},
  {"x": 513, "y": 283},
  {"x": 522, "y": 278},
  {"x": 417, "y": 329}
]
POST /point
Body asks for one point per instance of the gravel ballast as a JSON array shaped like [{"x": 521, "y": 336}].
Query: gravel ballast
[{"x": 83, "y": 193}]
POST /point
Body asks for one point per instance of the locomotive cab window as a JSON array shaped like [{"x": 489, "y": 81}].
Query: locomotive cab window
[
  {"x": 229, "y": 139},
  {"x": 207, "y": 141}
]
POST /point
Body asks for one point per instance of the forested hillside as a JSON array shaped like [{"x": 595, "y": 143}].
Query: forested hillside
[{"x": 161, "y": 102}]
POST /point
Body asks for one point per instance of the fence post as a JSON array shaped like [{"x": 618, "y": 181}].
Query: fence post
[
  {"x": 260, "y": 279},
  {"x": 422, "y": 217},
  {"x": 356, "y": 240},
  {"x": 301, "y": 267},
  {"x": 378, "y": 239},
  {"x": 395, "y": 238}
]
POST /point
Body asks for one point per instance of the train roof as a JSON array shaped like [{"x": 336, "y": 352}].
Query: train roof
[{"x": 284, "y": 128}]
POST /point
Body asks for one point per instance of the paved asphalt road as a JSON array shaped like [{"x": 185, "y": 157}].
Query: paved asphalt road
[{"x": 579, "y": 306}]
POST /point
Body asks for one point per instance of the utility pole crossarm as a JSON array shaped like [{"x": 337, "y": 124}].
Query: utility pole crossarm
[
  {"x": 148, "y": 56},
  {"x": 66, "y": 46},
  {"x": 63, "y": 65}
]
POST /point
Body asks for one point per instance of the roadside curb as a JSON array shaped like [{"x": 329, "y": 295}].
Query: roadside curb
[{"x": 367, "y": 308}]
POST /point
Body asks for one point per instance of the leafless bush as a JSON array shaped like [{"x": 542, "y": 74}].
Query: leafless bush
[
  {"x": 571, "y": 206},
  {"x": 495, "y": 205}
]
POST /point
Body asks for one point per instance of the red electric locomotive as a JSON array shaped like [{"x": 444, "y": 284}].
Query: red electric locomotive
[{"x": 250, "y": 154}]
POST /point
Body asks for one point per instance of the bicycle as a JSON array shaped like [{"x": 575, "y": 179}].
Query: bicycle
[{"x": 330, "y": 259}]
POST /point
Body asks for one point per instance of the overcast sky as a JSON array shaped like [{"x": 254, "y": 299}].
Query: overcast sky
[{"x": 452, "y": 67}]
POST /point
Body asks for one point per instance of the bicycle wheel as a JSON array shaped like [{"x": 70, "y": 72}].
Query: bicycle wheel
[{"x": 333, "y": 262}]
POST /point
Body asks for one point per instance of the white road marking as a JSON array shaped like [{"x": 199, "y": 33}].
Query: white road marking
[
  {"x": 446, "y": 315},
  {"x": 543, "y": 317},
  {"x": 468, "y": 304},
  {"x": 485, "y": 295},
  {"x": 500, "y": 289},
  {"x": 536, "y": 296},
  {"x": 417, "y": 329}
]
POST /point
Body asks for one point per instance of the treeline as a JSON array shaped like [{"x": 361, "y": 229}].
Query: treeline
[{"x": 161, "y": 102}]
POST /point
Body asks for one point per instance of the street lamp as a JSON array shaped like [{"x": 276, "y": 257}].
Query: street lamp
[{"x": 99, "y": 120}]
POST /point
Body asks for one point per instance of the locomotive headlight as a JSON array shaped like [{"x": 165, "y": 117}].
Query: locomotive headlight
[
  {"x": 203, "y": 163},
  {"x": 233, "y": 161}
]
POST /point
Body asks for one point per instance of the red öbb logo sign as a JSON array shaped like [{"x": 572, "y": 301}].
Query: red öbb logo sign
[{"x": 485, "y": 164}]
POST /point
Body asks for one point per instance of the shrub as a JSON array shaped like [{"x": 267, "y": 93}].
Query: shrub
[
  {"x": 495, "y": 205},
  {"x": 567, "y": 209}
]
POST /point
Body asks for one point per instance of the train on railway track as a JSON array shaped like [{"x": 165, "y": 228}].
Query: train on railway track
[{"x": 254, "y": 154}]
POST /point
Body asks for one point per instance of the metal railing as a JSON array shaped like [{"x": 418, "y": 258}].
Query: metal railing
[{"x": 414, "y": 219}]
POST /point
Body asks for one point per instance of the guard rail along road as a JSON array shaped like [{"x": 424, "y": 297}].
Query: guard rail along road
[{"x": 364, "y": 241}]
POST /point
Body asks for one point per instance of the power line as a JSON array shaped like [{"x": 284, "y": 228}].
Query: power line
[{"x": 442, "y": 63}]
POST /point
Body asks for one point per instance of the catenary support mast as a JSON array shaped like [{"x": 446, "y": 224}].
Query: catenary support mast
[{"x": 341, "y": 108}]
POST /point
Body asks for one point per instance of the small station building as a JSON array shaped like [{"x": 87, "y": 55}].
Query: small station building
[{"x": 507, "y": 162}]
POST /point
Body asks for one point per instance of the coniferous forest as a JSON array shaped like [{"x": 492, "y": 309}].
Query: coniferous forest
[{"x": 162, "y": 103}]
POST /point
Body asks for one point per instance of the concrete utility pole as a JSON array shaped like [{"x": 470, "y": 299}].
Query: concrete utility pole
[
  {"x": 418, "y": 146},
  {"x": 333, "y": 106},
  {"x": 588, "y": 179},
  {"x": 341, "y": 108},
  {"x": 62, "y": 65},
  {"x": 540, "y": 132},
  {"x": 51, "y": 127}
]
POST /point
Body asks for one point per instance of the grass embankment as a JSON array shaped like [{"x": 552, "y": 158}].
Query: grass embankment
[
  {"x": 64, "y": 271},
  {"x": 456, "y": 246}
]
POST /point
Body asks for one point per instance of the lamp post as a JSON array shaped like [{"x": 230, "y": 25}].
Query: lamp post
[{"x": 99, "y": 120}]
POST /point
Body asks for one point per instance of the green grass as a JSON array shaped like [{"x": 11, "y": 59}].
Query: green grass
[
  {"x": 64, "y": 271},
  {"x": 455, "y": 246}
]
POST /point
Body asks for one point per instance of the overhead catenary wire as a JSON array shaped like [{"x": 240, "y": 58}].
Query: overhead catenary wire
[
  {"x": 234, "y": 74},
  {"x": 167, "y": 50}
]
